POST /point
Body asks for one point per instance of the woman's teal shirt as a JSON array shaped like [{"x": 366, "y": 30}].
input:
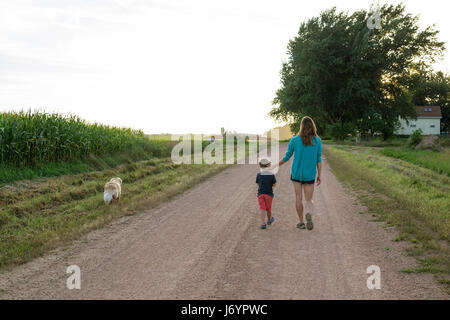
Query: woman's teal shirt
[{"x": 306, "y": 158}]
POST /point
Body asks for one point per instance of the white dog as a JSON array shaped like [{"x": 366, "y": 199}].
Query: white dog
[{"x": 113, "y": 189}]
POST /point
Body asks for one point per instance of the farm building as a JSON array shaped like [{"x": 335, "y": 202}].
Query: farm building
[
  {"x": 284, "y": 133},
  {"x": 428, "y": 119}
]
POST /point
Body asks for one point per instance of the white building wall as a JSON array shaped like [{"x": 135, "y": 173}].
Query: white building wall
[{"x": 428, "y": 126}]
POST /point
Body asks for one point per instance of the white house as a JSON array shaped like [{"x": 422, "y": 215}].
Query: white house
[{"x": 428, "y": 119}]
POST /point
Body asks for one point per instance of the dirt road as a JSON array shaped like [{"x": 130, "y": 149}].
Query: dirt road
[{"x": 206, "y": 243}]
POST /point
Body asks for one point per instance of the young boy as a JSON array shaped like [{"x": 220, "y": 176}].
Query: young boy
[{"x": 266, "y": 181}]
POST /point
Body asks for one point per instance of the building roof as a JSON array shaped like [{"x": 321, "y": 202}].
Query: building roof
[{"x": 428, "y": 111}]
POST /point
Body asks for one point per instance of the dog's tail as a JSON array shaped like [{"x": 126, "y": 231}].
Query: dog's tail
[{"x": 107, "y": 196}]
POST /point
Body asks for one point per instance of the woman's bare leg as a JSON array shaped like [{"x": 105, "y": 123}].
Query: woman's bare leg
[
  {"x": 308, "y": 189},
  {"x": 298, "y": 199}
]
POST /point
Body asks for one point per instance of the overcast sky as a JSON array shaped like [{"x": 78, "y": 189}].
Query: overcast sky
[{"x": 160, "y": 65}]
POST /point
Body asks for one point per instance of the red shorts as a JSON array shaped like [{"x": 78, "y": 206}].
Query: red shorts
[{"x": 265, "y": 202}]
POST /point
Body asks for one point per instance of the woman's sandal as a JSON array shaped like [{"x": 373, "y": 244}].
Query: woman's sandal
[{"x": 301, "y": 225}]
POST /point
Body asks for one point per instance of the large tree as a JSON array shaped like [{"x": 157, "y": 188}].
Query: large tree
[{"x": 341, "y": 72}]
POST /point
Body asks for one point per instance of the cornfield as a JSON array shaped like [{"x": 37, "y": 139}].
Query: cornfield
[{"x": 29, "y": 138}]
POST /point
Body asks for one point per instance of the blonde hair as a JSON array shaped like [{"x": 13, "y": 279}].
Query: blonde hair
[{"x": 307, "y": 131}]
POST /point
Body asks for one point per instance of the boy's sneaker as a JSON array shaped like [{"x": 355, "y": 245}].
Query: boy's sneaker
[
  {"x": 270, "y": 221},
  {"x": 309, "y": 223},
  {"x": 263, "y": 226}
]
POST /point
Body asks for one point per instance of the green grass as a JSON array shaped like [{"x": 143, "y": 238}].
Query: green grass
[
  {"x": 39, "y": 144},
  {"x": 406, "y": 196},
  {"x": 444, "y": 141},
  {"x": 436, "y": 161},
  {"x": 374, "y": 142},
  {"x": 89, "y": 163},
  {"x": 36, "y": 216},
  {"x": 142, "y": 150}
]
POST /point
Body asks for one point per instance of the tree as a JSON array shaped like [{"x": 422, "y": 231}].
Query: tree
[{"x": 340, "y": 71}]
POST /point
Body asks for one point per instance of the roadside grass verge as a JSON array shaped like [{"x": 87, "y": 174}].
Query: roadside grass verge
[
  {"x": 406, "y": 196},
  {"x": 433, "y": 160},
  {"x": 374, "y": 142},
  {"x": 39, "y": 215}
]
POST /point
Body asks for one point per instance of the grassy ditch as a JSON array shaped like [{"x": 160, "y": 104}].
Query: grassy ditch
[
  {"x": 433, "y": 160},
  {"x": 407, "y": 196}
]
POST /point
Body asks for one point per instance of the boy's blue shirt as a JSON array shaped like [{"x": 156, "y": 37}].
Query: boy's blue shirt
[
  {"x": 265, "y": 181},
  {"x": 306, "y": 158}
]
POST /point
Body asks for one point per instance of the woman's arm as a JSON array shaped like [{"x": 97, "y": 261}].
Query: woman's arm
[
  {"x": 319, "y": 173},
  {"x": 280, "y": 163},
  {"x": 319, "y": 163},
  {"x": 288, "y": 155}
]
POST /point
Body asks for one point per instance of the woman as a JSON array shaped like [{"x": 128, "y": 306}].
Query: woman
[{"x": 307, "y": 150}]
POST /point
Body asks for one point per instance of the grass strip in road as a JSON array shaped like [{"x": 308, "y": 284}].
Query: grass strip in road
[
  {"x": 404, "y": 195},
  {"x": 36, "y": 216}
]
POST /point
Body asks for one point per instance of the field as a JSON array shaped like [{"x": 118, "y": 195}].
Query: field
[
  {"x": 29, "y": 138},
  {"x": 408, "y": 190},
  {"x": 36, "y": 145},
  {"x": 53, "y": 172}
]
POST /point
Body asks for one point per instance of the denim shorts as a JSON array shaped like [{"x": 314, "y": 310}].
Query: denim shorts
[{"x": 303, "y": 182}]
